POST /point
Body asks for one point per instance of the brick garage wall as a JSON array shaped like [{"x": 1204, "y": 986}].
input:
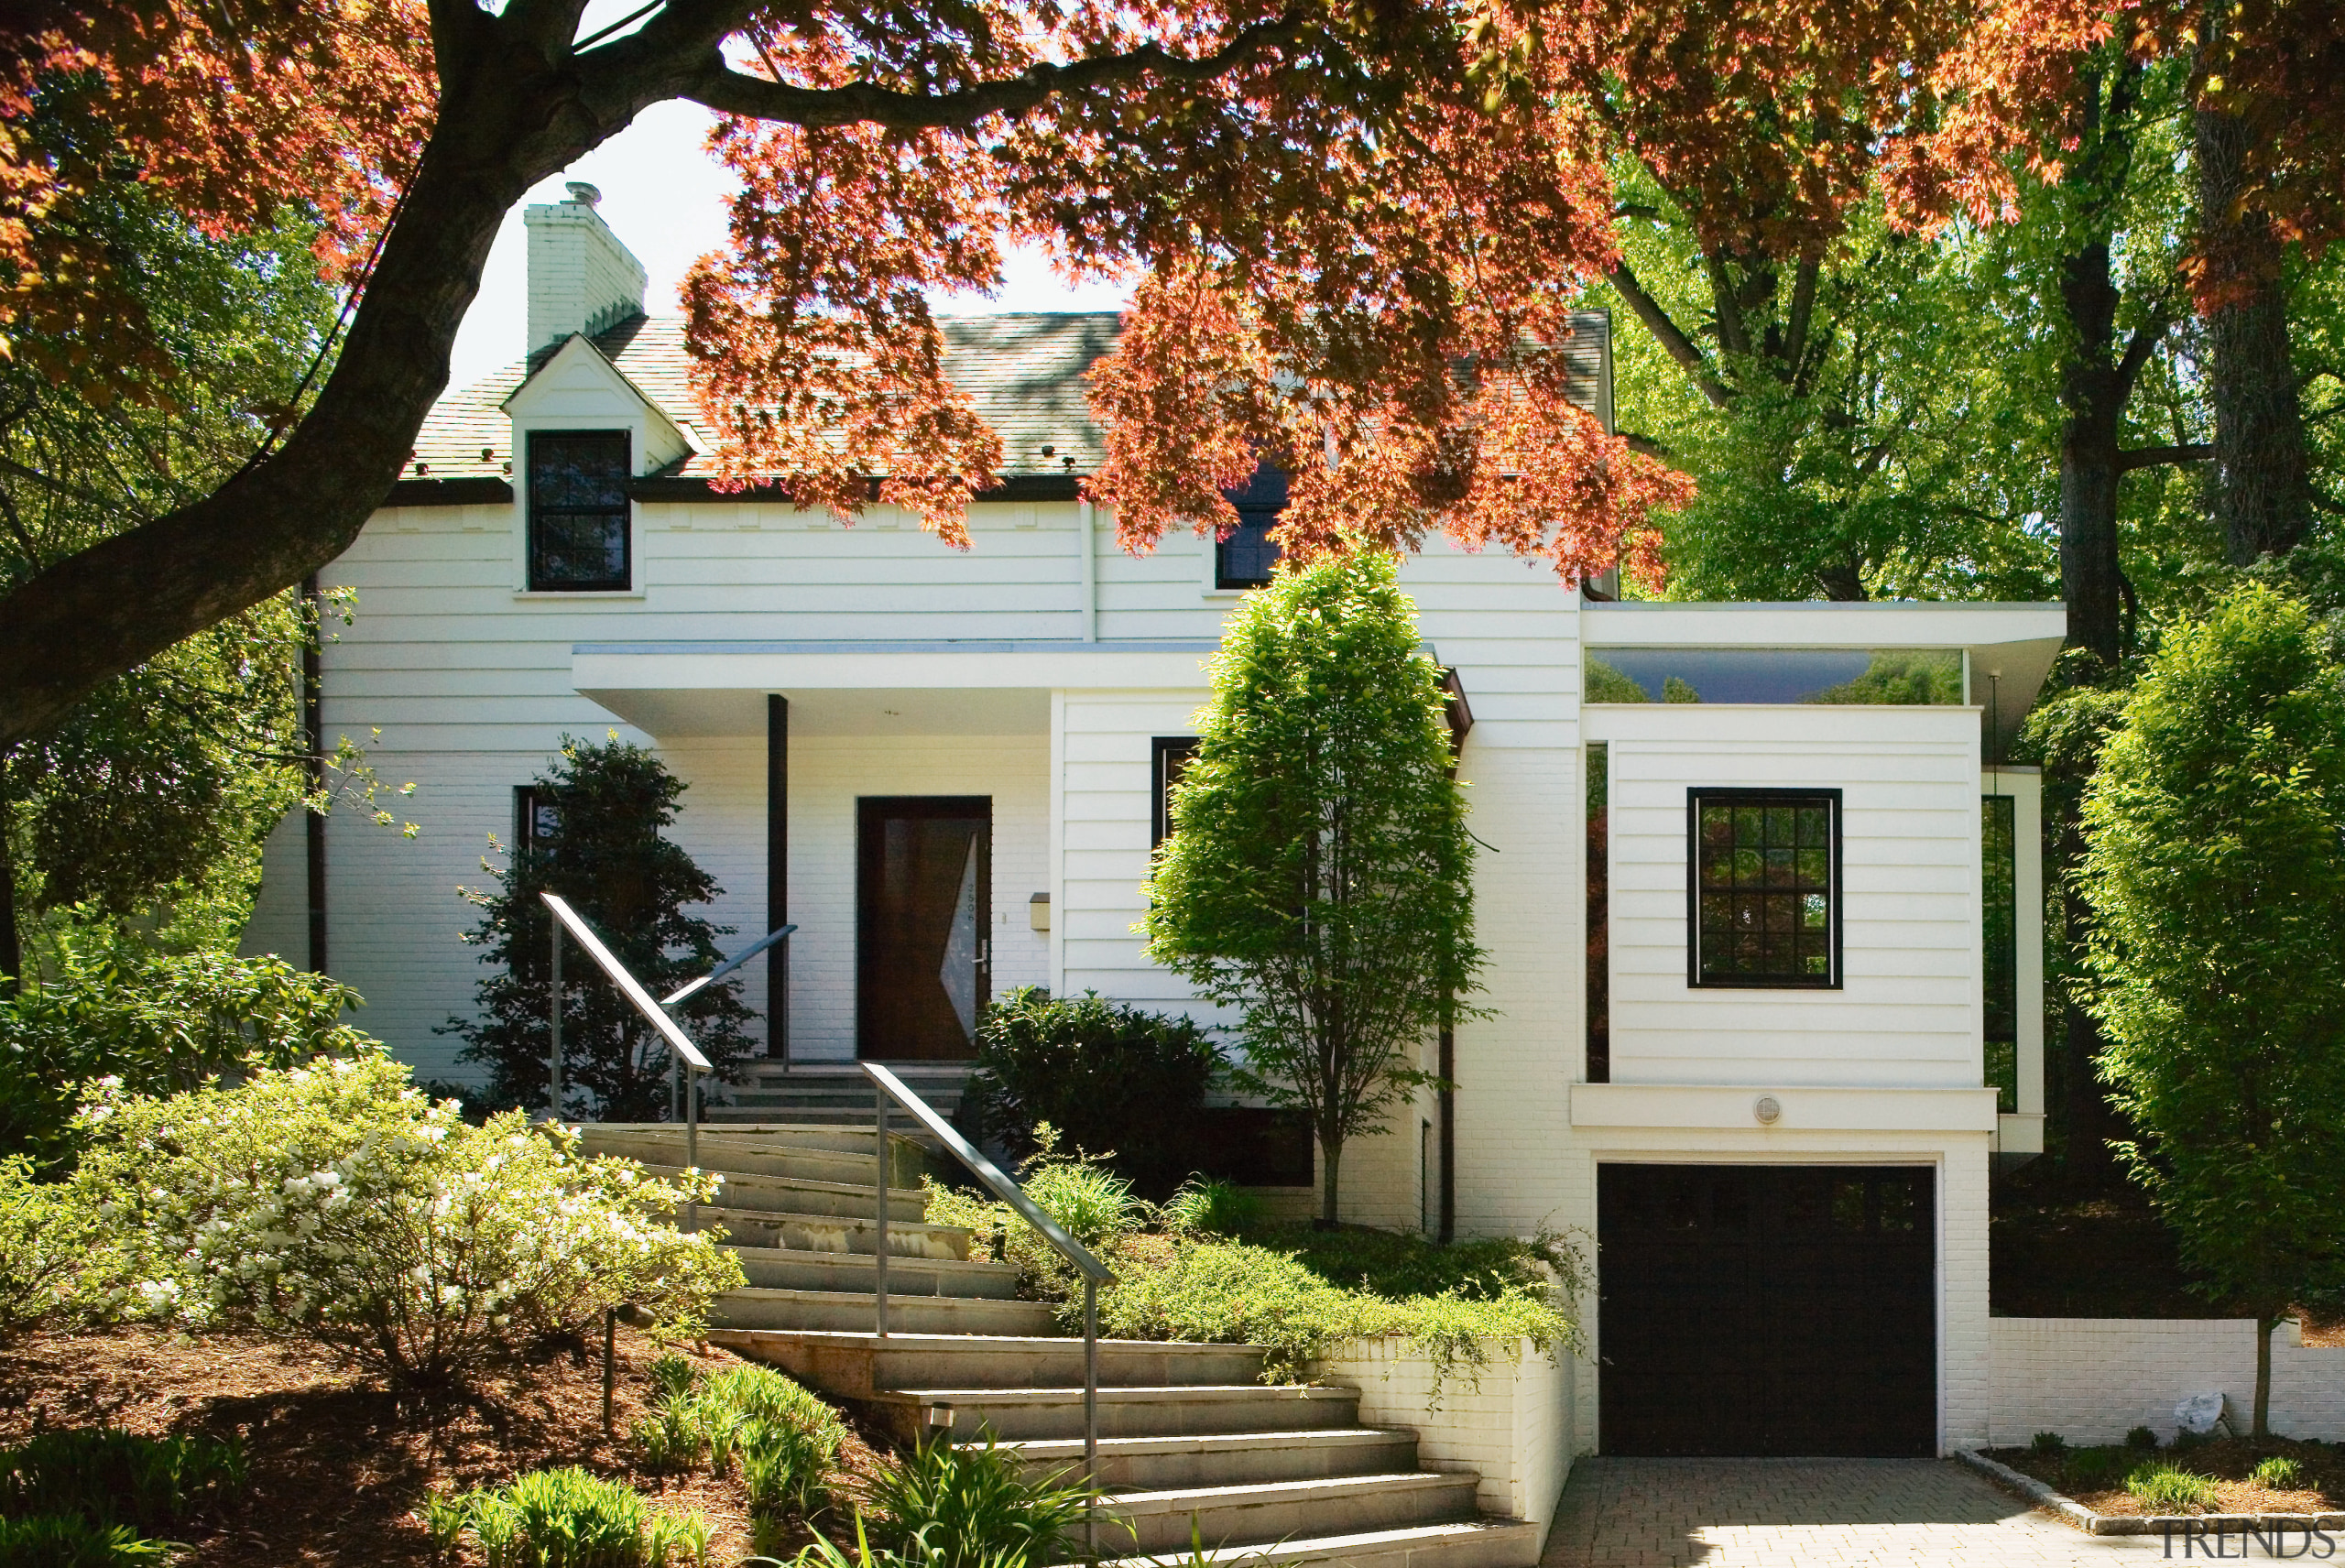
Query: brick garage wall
[
  {"x": 1509, "y": 1423},
  {"x": 2093, "y": 1379}
]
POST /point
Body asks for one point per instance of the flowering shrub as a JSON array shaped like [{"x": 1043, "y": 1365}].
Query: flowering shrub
[
  {"x": 336, "y": 1202},
  {"x": 49, "y": 1247}
]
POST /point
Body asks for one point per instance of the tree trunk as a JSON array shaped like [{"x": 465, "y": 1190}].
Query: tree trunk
[
  {"x": 12, "y": 951},
  {"x": 1331, "y": 1154},
  {"x": 2092, "y": 404},
  {"x": 2263, "y": 1422},
  {"x": 505, "y": 120},
  {"x": 2260, "y": 492}
]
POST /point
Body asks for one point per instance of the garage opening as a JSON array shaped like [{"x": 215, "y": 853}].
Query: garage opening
[{"x": 1766, "y": 1310}]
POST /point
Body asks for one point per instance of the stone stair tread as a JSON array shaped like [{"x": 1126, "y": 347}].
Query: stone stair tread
[
  {"x": 1045, "y": 1448},
  {"x": 996, "y": 1342},
  {"x": 859, "y": 1222},
  {"x": 1121, "y": 1393},
  {"x": 969, "y": 1266},
  {"x": 1515, "y": 1540},
  {"x": 796, "y": 1184},
  {"x": 1186, "y": 1499}
]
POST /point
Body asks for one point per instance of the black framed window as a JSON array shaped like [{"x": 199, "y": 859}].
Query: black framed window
[
  {"x": 1244, "y": 560},
  {"x": 533, "y": 820},
  {"x": 1763, "y": 888},
  {"x": 579, "y": 537},
  {"x": 1170, "y": 756}
]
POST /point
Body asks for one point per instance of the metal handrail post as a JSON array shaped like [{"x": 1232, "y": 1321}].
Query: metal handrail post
[
  {"x": 553, "y": 1027},
  {"x": 1091, "y": 1418},
  {"x": 879, "y": 1265},
  {"x": 692, "y": 1115}
]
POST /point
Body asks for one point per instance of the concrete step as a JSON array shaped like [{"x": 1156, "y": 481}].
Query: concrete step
[
  {"x": 738, "y": 1154},
  {"x": 797, "y": 1134},
  {"x": 860, "y": 1365},
  {"x": 1464, "y": 1544},
  {"x": 1281, "y": 1510},
  {"x": 785, "y": 1269},
  {"x": 1015, "y": 1415},
  {"x": 1223, "y": 1459},
  {"x": 851, "y": 1234},
  {"x": 759, "y": 1308},
  {"x": 796, "y": 1195}
]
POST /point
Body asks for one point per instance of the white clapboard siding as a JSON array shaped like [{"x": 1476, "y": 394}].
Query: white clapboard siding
[{"x": 1908, "y": 1014}]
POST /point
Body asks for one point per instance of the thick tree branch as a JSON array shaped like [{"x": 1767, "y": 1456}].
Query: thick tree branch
[
  {"x": 1666, "y": 333},
  {"x": 1803, "y": 312},
  {"x": 2153, "y": 456},
  {"x": 2140, "y": 345},
  {"x": 1637, "y": 440},
  {"x": 730, "y": 91}
]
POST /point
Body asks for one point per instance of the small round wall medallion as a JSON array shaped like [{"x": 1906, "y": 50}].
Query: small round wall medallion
[{"x": 1767, "y": 1110}]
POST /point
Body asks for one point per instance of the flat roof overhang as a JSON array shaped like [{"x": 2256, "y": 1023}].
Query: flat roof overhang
[
  {"x": 940, "y": 687},
  {"x": 2016, "y": 644}
]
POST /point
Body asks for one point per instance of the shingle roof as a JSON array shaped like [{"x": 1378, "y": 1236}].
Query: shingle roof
[{"x": 1023, "y": 371}]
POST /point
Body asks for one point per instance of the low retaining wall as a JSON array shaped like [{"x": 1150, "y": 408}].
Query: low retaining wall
[
  {"x": 1509, "y": 1423},
  {"x": 2093, "y": 1379}
]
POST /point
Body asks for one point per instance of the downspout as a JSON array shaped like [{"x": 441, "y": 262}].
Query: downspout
[
  {"x": 1446, "y": 1099},
  {"x": 313, "y": 767},
  {"x": 1084, "y": 525}
]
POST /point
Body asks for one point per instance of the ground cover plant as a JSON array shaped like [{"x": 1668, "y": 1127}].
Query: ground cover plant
[
  {"x": 783, "y": 1442},
  {"x": 337, "y": 1203},
  {"x": 95, "y": 1497},
  {"x": 1294, "y": 1287},
  {"x": 566, "y": 1517},
  {"x": 970, "y": 1506},
  {"x": 2221, "y": 1475}
]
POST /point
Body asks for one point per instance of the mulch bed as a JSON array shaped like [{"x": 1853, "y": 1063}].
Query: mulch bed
[
  {"x": 2226, "y": 1459},
  {"x": 340, "y": 1466}
]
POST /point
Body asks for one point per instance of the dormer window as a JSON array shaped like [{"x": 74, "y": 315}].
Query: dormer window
[
  {"x": 1244, "y": 560},
  {"x": 579, "y": 537}
]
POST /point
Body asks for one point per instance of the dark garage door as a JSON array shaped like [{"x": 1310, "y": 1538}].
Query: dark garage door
[{"x": 1767, "y": 1308}]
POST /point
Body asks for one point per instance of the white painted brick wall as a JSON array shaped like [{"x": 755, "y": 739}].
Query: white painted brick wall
[
  {"x": 1509, "y": 1423},
  {"x": 582, "y": 279},
  {"x": 2092, "y": 1380}
]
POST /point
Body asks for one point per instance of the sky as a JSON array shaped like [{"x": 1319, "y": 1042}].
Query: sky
[{"x": 665, "y": 197}]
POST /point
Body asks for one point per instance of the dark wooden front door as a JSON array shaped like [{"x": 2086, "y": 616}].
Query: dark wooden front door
[
  {"x": 1767, "y": 1308},
  {"x": 924, "y": 870}
]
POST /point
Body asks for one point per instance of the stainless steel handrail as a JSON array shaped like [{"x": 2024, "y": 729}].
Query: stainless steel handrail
[
  {"x": 778, "y": 1012},
  {"x": 566, "y": 917},
  {"x": 1095, "y": 1273}
]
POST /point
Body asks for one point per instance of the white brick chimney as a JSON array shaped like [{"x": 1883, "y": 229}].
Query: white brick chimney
[{"x": 581, "y": 279}]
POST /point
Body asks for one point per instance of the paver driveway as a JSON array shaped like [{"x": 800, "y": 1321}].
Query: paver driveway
[{"x": 1793, "y": 1513}]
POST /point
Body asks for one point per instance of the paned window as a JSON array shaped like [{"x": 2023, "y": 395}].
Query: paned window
[
  {"x": 1244, "y": 560},
  {"x": 1763, "y": 887},
  {"x": 578, "y": 511},
  {"x": 1172, "y": 760}
]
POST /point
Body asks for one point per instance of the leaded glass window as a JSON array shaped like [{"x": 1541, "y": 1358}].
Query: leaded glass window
[
  {"x": 1763, "y": 887},
  {"x": 578, "y": 511}
]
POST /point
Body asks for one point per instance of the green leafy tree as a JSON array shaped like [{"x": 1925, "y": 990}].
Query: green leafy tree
[
  {"x": 1318, "y": 878},
  {"x": 600, "y": 848},
  {"x": 144, "y": 807},
  {"x": 2215, "y": 866}
]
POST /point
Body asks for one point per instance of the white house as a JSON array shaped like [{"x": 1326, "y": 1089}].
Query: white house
[{"x": 1771, "y": 824}]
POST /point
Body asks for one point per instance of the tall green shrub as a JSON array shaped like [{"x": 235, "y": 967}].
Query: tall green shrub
[
  {"x": 2216, "y": 865},
  {"x": 1318, "y": 878},
  {"x": 1108, "y": 1077},
  {"x": 158, "y": 1024},
  {"x": 602, "y": 850}
]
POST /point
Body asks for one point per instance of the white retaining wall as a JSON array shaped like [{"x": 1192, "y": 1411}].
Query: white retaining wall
[
  {"x": 1509, "y": 1423},
  {"x": 2093, "y": 1379}
]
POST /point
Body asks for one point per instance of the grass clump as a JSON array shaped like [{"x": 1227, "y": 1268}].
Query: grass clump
[
  {"x": 2089, "y": 1469},
  {"x": 62, "y": 1540},
  {"x": 104, "y": 1478},
  {"x": 2141, "y": 1437},
  {"x": 2050, "y": 1444},
  {"x": 971, "y": 1507},
  {"x": 568, "y": 1519},
  {"x": 2165, "y": 1488},
  {"x": 785, "y": 1442},
  {"x": 1211, "y": 1206},
  {"x": 2278, "y": 1474}
]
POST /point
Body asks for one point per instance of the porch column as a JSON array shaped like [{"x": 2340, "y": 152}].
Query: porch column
[{"x": 778, "y": 872}]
